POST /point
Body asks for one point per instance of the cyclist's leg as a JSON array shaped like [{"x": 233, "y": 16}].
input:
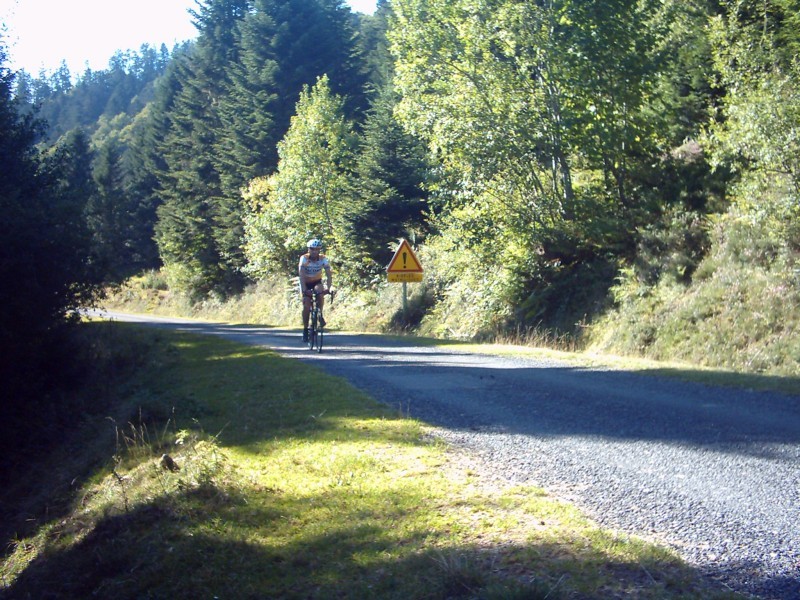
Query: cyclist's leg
[
  {"x": 309, "y": 285},
  {"x": 306, "y": 312},
  {"x": 320, "y": 336}
]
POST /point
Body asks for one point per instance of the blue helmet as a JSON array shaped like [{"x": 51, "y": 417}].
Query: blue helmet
[{"x": 315, "y": 243}]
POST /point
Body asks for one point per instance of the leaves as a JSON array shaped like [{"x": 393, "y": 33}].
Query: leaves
[{"x": 311, "y": 193}]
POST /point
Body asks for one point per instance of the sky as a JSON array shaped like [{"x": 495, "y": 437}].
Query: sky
[{"x": 39, "y": 34}]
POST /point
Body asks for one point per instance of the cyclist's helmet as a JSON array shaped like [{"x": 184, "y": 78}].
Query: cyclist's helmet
[{"x": 315, "y": 243}]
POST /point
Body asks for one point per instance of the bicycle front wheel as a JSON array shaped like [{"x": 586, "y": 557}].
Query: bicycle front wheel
[
  {"x": 320, "y": 336},
  {"x": 312, "y": 330}
]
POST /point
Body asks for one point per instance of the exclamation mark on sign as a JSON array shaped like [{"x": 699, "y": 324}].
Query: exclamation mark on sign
[{"x": 405, "y": 257}]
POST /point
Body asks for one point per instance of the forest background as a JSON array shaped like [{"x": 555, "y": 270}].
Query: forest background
[{"x": 623, "y": 175}]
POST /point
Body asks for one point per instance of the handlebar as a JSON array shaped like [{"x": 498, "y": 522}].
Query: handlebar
[{"x": 322, "y": 293}]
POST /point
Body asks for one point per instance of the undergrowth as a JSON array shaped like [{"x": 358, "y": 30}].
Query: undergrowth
[{"x": 739, "y": 311}]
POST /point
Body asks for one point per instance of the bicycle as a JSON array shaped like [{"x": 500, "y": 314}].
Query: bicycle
[{"x": 316, "y": 323}]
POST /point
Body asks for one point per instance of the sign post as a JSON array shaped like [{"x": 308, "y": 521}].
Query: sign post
[{"x": 404, "y": 267}]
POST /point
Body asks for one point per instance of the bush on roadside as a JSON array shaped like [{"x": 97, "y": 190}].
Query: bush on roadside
[{"x": 740, "y": 310}]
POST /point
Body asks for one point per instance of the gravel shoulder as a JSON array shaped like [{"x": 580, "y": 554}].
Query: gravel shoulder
[{"x": 712, "y": 472}]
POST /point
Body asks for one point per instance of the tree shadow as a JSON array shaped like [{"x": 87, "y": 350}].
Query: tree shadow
[
  {"x": 198, "y": 544},
  {"x": 461, "y": 390}
]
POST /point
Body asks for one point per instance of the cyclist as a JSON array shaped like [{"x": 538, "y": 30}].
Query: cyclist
[{"x": 312, "y": 264}]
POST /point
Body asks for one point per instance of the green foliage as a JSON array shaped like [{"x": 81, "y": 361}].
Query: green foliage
[
  {"x": 740, "y": 312},
  {"x": 114, "y": 106},
  {"x": 514, "y": 97},
  {"x": 281, "y": 46},
  {"x": 467, "y": 93},
  {"x": 234, "y": 95},
  {"x": 728, "y": 298},
  {"x": 761, "y": 109},
  {"x": 199, "y": 227},
  {"x": 473, "y": 294},
  {"x": 683, "y": 95},
  {"x": 311, "y": 194},
  {"x": 70, "y": 276},
  {"x": 125, "y": 87},
  {"x": 758, "y": 140},
  {"x": 374, "y": 45},
  {"x": 542, "y": 117},
  {"x": 247, "y": 146},
  {"x": 47, "y": 268},
  {"x": 762, "y": 112},
  {"x": 106, "y": 211},
  {"x": 45, "y": 272},
  {"x": 534, "y": 151},
  {"x": 140, "y": 163},
  {"x": 672, "y": 248},
  {"x": 312, "y": 38}
]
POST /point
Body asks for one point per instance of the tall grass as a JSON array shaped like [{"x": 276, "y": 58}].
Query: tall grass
[{"x": 274, "y": 302}]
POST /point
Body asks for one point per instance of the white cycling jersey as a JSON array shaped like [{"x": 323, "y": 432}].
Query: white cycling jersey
[{"x": 311, "y": 270}]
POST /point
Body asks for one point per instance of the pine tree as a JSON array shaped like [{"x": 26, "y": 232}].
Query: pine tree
[
  {"x": 141, "y": 164},
  {"x": 237, "y": 91},
  {"x": 392, "y": 168},
  {"x": 284, "y": 45},
  {"x": 247, "y": 147},
  {"x": 199, "y": 227},
  {"x": 313, "y": 38},
  {"x": 106, "y": 211},
  {"x": 374, "y": 46},
  {"x": 45, "y": 274}
]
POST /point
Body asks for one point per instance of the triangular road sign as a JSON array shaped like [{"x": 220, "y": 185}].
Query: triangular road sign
[{"x": 404, "y": 260}]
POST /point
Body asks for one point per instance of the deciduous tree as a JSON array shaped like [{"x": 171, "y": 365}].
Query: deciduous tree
[{"x": 311, "y": 193}]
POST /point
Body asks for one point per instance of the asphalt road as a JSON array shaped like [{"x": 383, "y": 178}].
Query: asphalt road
[{"x": 712, "y": 472}]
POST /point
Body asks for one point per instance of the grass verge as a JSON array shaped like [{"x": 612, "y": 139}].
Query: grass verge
[{"x": 292, "y": 484}]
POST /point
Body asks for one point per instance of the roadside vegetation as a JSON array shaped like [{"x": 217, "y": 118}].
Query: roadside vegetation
[
  {"x": 722, "y": 332},
  {"x": 286, "y": 490}
]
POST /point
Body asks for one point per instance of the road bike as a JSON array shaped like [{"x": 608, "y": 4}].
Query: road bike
[{"x": 316, "y": 323}]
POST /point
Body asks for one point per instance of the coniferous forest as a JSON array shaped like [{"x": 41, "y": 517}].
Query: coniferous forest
[{"x": 626, "y": 173}]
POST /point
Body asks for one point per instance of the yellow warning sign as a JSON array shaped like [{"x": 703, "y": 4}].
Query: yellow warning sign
[{"x": 405, "y": 265}]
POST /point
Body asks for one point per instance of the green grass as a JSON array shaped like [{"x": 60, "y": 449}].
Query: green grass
[{"x": 292, "y": 484}]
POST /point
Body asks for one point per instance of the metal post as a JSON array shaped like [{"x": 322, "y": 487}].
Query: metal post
[{"x": 405, "y": 301}]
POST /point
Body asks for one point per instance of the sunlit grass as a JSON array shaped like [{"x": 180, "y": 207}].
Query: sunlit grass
[{"x": 292, "y": 484}]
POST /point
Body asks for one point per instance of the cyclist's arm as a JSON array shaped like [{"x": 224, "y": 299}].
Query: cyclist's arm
[{"x": 329, "y": 275}]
